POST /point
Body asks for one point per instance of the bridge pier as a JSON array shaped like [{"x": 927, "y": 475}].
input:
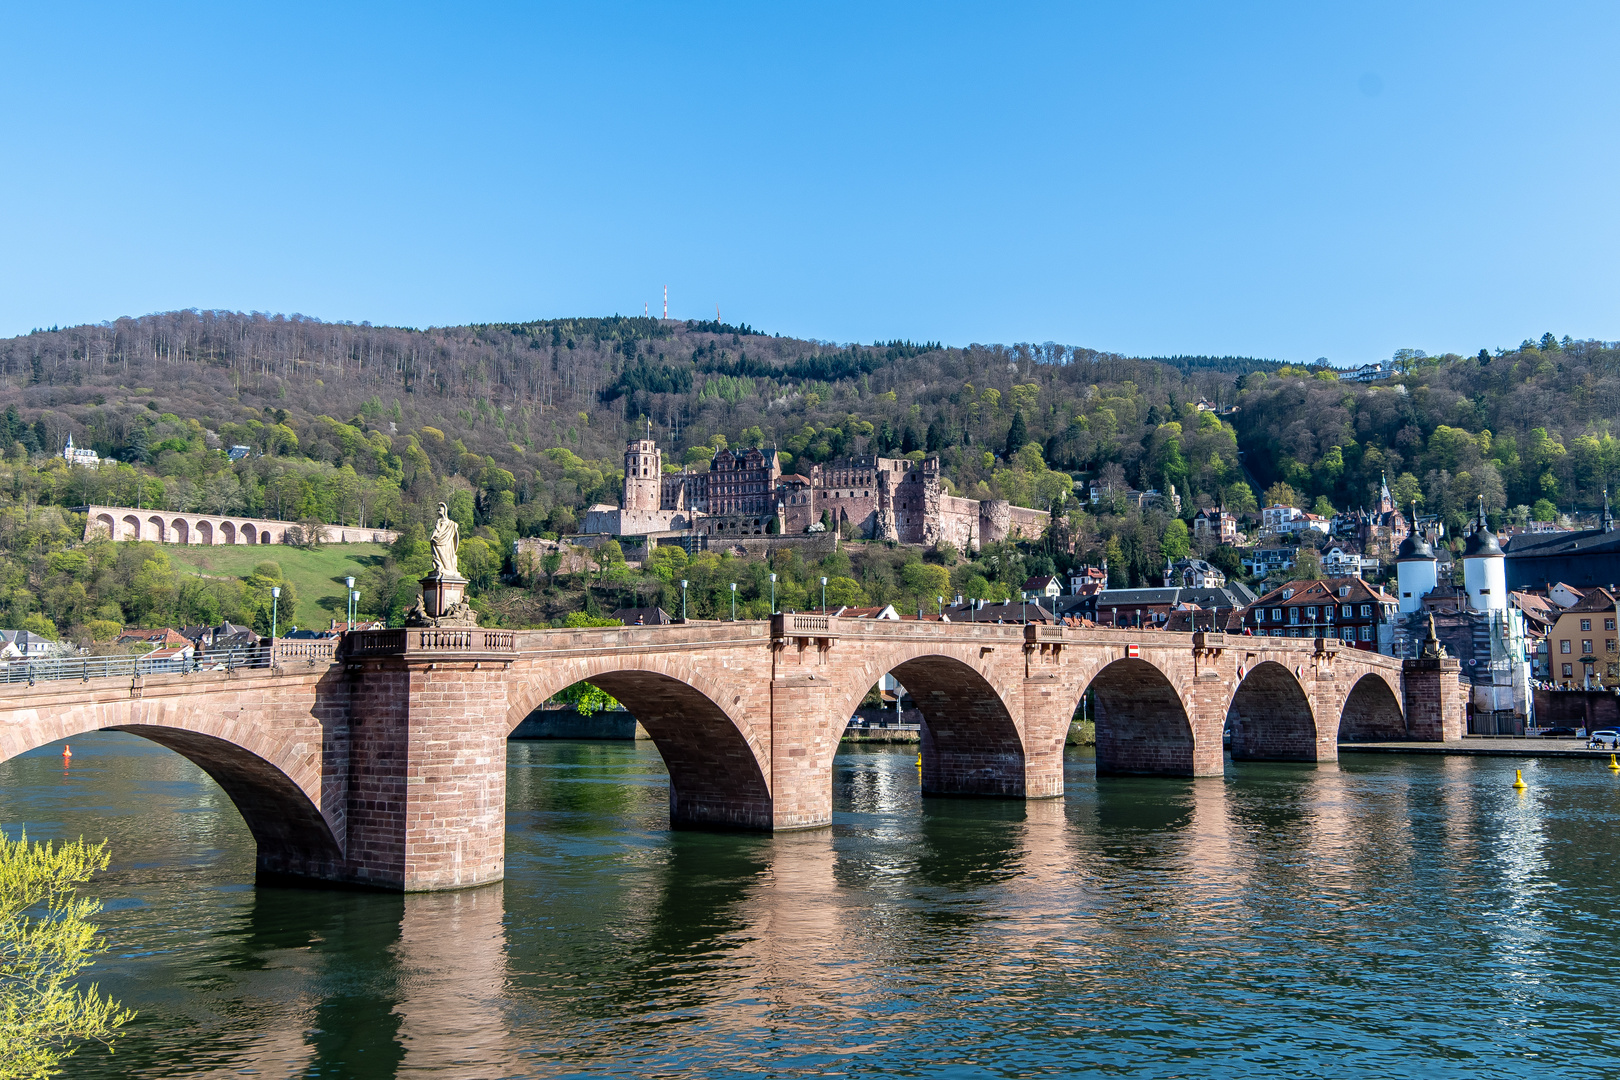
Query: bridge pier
[{"x": 427, "y": 760}]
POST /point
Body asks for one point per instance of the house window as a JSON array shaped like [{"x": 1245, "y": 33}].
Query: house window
[
  {"x": 1276, "y": 614},
  {"x": 1328, "y": 611},
  {"x": 1293, "y": 633},
  {"x": 1366, "y": 611},
  {"x": 1366, "y": 633},
  {"x": 1586, "y": 646},
  {"x": 1293, "y": 617},
  {"x": 1349, "y": 634},
  {"x": 1586, "y": 624},
  {"x": 1563, "y": 645},
  {"x": 1569, "y": 671},
  {"x": 1608, "y": 644},
  {"x": 1310, "y": 613}
]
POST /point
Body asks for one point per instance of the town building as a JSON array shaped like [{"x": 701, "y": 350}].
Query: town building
[
  {"x": 163, "y": 638},
  {"x": 1150, "y": 608},
  {"x": 643, "y": 616},
  {"x": 1042, "y": 585},
  {"x": 1193, "y": 574},
  {"x": 24, "y": 645},
  {"x": 1346, "y": 560},
  {"x": 1379, "y": 531},
  {"x": 1270, "y": 559},
  {"x": 1584, "y": 558},
  {"x": 75, "y": 455},
  {"x": 1583, "y": 645},
  {"x": 1347, "y": 609},
  {"x": 1280, "y": 520},
  {"x": 744, "y": 493},
  {"x": 1216, "y": 526}
]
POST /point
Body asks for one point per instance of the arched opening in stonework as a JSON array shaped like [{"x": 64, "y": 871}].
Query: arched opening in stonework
[
  {"x": 293, "y": 839},
  {"x": 970, "y": 744},
  {"x": 1371, "y": 712},
  {"x": 132, "y": 528},
  {"x": 205, "y": 532},
  {"x": 250, "y": 535},
  {"x": 714, "y": 777},
  {"x": 1141, "y": 724},
  {"x": 227, "y": 533},
  {"x": 156, "y": 530},
  {"x": 182, "y": 531},
  {"x": 1270, "y": 717},
  {"x": 105, "y": 526}
]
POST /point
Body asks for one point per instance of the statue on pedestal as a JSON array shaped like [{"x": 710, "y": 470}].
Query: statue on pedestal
[{"x": 442, "y": 601}]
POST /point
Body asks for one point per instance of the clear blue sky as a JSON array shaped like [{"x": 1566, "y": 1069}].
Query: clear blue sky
[{"x": 1290, "y": 181}]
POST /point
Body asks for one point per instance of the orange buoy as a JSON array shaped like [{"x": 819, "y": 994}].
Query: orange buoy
[{"x": 67, "y": 753}]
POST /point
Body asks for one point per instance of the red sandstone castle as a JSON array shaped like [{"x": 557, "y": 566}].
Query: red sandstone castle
[{"x": 743, "y": 492}]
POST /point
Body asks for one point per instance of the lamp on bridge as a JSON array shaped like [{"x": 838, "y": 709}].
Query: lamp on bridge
[
  {"x": 823, "y": 593},
  {"x": 773, "y": 594},
  {"x": 683, "y": 599},
  {"x": 941, "y": 601},
  {"x": 733, "y": 601},
  {"x": 275, "y": 604},
  {"x": 354, "y": 606},
  {"x": 349, "y": 582}
]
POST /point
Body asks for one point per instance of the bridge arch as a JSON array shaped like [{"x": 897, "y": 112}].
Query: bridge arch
[
  {"x": 1371, "y": 711},
  {"x": 205, "y": 532},
  {"x": 227, "y": 532},
  {"x": 157, "y": 531},
  {"x": 182, "y": 531},
  {"x": 1142, "y": 725},
  {"x": 276, "y": 784},
  {"x": 718, "y": 764},
  {"x": 1271, "y": 716},
  {"x": 972, "y": 740},
  {"x": 132, "y": 527}
]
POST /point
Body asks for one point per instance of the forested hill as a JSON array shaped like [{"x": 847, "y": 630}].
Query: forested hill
[
  {"x": 540, "y": 410},
  {"x": 1530, "y": 429}
]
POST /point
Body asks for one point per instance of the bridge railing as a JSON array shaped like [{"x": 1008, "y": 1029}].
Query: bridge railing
[
  {"x": 85, "y": 668},
  {"x": 435, "y": 639}
]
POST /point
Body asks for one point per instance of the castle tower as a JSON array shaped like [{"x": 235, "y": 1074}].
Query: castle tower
[
  {"x": 643, "y": 475},
  {"x": 1414, "y": 569},
  {"x": 1484, "y": 568}
]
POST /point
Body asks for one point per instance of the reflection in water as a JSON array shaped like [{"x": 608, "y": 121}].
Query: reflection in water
[{"x": 1379, "y": 916}]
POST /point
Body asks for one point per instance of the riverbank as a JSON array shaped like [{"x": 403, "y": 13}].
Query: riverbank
[{"x": 1520, "y": 748}]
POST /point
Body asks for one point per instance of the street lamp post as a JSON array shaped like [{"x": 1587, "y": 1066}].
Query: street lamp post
[
  {"x": 354, "y": 606},
  {"x": 349, "y": 582},
  {"x": 683, "y": 599},
  {"x": 275, "y": 606},
  {"x": 941, "y": 601},
  {"x": 733, "y": 601},
  {"x": 824, "y": 595},
  {"x": 773, "y": 594}
]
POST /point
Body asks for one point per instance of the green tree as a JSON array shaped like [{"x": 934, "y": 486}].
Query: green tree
[
  {"x": 1544, "y": 510},
  {"x": 1323, "y": 508},
  {"x": 1177, "y": 543},
  {"x": 1017, "y": 435},
  {"x": 46, "y": 940},
  {"x": 1281, "y": 494},
  {"x": 587, "y": 698}
]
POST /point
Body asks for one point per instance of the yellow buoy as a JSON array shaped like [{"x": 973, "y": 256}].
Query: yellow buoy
[
  {"x": 1518, "y": 780},
  {"x": 1614, "y": 766}
]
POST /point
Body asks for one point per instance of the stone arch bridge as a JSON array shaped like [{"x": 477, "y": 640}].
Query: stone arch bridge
[{"x": 384, "y": 765}]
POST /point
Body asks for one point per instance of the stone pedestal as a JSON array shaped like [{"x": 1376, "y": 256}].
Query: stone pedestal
[
  {"x": 443, "y": 602},
  {"x": 1436, "y": 703}
]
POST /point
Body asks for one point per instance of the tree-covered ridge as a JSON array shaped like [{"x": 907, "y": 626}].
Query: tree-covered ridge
[{"x": 1531, "y": 430}]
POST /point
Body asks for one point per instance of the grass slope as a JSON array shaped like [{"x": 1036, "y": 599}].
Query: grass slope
[{"x": 317, "y": 575}]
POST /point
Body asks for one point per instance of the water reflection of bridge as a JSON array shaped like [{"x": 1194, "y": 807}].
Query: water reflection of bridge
[{"x": 385, "y": 765}]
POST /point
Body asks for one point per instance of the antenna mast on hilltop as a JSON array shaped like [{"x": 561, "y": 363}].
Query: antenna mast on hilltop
[{"x": 666, "y": 301}]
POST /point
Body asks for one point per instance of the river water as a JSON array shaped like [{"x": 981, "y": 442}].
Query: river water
[{"x": 1384, "y": 916}]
